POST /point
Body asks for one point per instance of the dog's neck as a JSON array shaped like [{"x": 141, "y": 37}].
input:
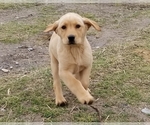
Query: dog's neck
[{"x": 76, "y": 51}]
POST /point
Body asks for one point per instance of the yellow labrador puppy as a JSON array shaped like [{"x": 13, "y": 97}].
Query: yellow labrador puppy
[{"x": 71, "y": 56}]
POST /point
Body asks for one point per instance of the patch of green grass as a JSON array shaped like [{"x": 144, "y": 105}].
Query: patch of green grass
[
  {"x": 120, "y": 19},
  {"x": 113, "y": 78},
  {"x": 85, "y": 117},
  {"x": 91, "y": 16},
  {"x": 14, "y": 32},
  {"x": 18, "y": 31},
  {"x": 29, "y": 94},
  {"x": 8, "y": 6},
  {"x": 122, "y": 74}
]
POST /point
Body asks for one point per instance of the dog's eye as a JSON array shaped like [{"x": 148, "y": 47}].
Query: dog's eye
[
  {"x": 78, "y": 26},
  {"x": 63, "y": 27}
]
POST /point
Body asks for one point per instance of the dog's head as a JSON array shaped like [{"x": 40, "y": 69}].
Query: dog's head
[{"x": 72, "y": 28}]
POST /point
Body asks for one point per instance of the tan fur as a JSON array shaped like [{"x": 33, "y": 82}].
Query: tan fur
[{"x": 71, "y": 63}]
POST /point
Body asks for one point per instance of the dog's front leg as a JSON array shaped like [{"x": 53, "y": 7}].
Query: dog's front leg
[
  {"x": 59, "y": 98},
  {"x": 76, "y": 87}
]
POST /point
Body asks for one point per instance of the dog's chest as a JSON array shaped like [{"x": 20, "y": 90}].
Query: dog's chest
[
  {"x": 79, "y": 57},
  {"x": 76, "y": 61}
]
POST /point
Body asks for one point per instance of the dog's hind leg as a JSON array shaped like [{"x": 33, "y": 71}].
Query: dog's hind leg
[
  {"x": 84, "y": 77},
  {"x": 59, "y": 98}
]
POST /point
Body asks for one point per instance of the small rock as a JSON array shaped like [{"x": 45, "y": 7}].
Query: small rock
[
  {"x": 5, "y": 70},
  {"x": 97, "y": 36},
  {"x": 146, "y": 111},
  {"x": 30, "y": 49},
  {"x": 17, "y": 63},
  {"x": 17, "y": 17},
  {"x": 11, "y": 67},
  {"x": 97, "y": 47},
  {"x": 22, "y": 47},
  {"x": 30, "y": 15},
  {"x": 3, "y": 110}
]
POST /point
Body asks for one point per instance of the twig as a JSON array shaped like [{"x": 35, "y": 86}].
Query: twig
[
  {"x": 72, "y": 109},
  {"x": 8, "y": 92},
  {"x": 106, "y": 118},
  {"x": 4, "y": 106},
  {"x": 96, "y": 99},
  {"x": 98, "y": 112},
  {"x": 49, "y": 107}
]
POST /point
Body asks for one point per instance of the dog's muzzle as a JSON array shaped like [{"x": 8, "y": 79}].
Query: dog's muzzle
[{"x": 71, "y": 39}]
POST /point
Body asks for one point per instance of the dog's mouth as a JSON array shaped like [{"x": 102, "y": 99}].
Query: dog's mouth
[{"x": 71, "y": 43}]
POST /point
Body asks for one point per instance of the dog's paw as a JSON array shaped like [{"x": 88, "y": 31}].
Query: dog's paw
[
  {"x": 61, "y": 102},
  {"x": 87, "y": 99}
]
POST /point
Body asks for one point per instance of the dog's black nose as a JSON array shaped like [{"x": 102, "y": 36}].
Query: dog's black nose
[{"x": 71, "y": 39}]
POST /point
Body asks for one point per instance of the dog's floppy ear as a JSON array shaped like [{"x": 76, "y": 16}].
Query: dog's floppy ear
[
  {"x": 51, "y": 27},
  {"x": 90, "y": 23}
]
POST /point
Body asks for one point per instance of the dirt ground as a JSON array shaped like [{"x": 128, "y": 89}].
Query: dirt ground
[{"x": 120, "y": 23}]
